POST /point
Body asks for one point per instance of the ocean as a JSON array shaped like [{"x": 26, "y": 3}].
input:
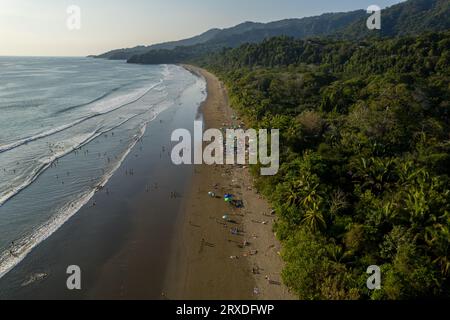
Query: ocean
[{"x": 66, "y": 126}]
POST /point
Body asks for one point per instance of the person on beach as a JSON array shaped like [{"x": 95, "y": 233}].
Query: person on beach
[
  {"x": 14, "y": 254},
  {"x": 11, "y": 252}
]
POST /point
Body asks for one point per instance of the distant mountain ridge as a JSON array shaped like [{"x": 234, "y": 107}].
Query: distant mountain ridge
[
  {"x": 124, "y": 54},
  {"x": 411, "y": 17},
  {"x": 251, "y": 32}
]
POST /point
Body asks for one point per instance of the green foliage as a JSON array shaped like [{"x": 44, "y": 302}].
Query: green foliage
[
  {"x": 406, "y": 18},
  {"x": 310, "y": 254},
  {"x": 411, "y": 17},
  {"x": 364, "y": 176}
]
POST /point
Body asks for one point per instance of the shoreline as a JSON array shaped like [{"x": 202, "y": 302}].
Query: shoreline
[
  {"x": 141, "y": 245},
  {"x": 121, "y": 238},
  {"x": 207, "y": 261}
]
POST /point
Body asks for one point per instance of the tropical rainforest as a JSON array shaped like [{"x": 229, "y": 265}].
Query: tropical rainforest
[{"x": 365, "y": 158}]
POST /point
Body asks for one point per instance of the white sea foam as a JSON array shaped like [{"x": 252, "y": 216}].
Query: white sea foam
[
  {"x": 14, "y": 255},
  {"x": 100, "y": 108},
  {"x": 24, "y": 245},
  {"x": 47, "y": 162}
]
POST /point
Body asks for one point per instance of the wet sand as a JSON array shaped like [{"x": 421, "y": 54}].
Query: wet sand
[
  {"x": 122, "y": 243},
  {"x": 208, "y": 261},
  {"x": 139, "y": 242}
]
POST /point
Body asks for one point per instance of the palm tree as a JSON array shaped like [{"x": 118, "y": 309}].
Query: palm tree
[
  {"x": 293, "y": 197},
  {"x": 313, "y": 218}
]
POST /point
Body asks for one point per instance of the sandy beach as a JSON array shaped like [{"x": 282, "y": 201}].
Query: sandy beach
[
  {"x": 134, "y": 240},
  {"x": 208, "y": 261},
  {"x": 121, "y": 238}
]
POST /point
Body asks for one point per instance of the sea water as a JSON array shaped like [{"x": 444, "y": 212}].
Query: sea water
[{"x": 66, "y": 125}]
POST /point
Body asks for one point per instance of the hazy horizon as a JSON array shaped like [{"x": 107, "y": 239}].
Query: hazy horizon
[{"x": 40, "y": 28}]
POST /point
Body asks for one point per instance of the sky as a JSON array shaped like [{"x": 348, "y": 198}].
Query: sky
[{"x": 39, "y": 27}]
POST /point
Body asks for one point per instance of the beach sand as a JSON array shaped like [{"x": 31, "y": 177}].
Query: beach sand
[
  {"x": 122, "y": 243},
  {"x": 138, "y": 242},
  {"x": 207, "y": 260}
]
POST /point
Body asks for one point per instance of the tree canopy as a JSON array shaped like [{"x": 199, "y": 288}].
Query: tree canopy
[{"x": 365, "y": 158}]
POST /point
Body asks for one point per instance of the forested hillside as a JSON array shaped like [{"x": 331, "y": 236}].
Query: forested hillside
[
  {"x": 411, "y": 17},
  {"x": 365, "y": 158},
  {"x": 407, "y": 18},
  {"x": 127, "y": 53},
  {"x": 247, "y": 32}
]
